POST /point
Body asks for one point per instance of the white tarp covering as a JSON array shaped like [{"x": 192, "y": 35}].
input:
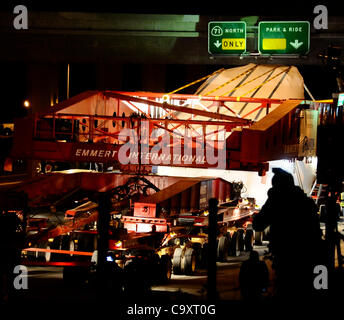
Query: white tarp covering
[
  {"x": 281, "y": 82},
  {"x": 257, "y": 81}
]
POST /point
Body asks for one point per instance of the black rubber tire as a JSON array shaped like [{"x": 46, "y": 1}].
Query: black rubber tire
[
  {"x": 56, "y": 244},
  {"x": 258, "y": 236},
  {"x": 65, "y": 242},
  {"x": 222, "y": 249},
  {"x": 234, "y": 245},
  {"x": 188, "y": 263},
  {"x": 85, "y": 242},
  {"x": 229, "y": 238},
  {"x": 72, "y": 246},
  {"x": 47, "y": 256},
  {"x": 166, "y": 268},
  {"x": 44, "y": 256},
  {"x": 94, "y": 258},
  {"x": 197, "y": 249},
  {"x": 248, "y": 240},
  {"x": 266, "y": 234},
  {"x": 204, "y": 256},
  {"x": 32, "y": 255},
  {"x": 177, "y": 260},
  {"x": 241, "y": 240}
]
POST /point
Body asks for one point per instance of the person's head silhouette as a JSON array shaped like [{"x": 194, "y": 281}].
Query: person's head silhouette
[{"x": 282, "y": 179}]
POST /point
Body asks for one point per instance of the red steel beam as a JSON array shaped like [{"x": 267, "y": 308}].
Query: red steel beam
[
  {"x": 165, "y": 106},
  {"x": 154, "y": 120},
  {"x": 189, "y": 96}
]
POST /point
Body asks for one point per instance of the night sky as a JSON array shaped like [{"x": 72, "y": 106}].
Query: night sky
[{"x": 230, "y": 8}]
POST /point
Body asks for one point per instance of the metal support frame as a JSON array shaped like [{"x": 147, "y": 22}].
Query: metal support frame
[
  {"x": 170, "y": 122},
  {"x": 181, "y": 112}
]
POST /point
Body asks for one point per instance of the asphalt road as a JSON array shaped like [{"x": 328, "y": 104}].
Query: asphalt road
[{"x": 46, "y": 284}]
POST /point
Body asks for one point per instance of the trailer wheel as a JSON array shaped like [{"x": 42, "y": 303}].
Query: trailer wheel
[
  {"x": 204, "y": 256},
  {"x": 266, "y": 234},
  {"x": 166, "y": 268},
  {"x": 85, "y": 242},
  {"x": 198, "y": 252},
  {"x": 44, "y": 256},
  {"x": 176, "y": 261},
  {"x": 189, "y": 261},
  {"x": 94, "y": 258},
  {"x": 47, "y": 254},
  {"x": 222, "y": 249},
  {"x": 241, "y": 241},
  {"x": 56, "y": 244},
  {"x": 71, "y": 246},
  {"x": 249, "y": 240},
  {"x": 65, "y": 242},
  {"x": 258, "y": 235},
  {"x": 95, "y": 242},
  {"x": 32, "y": 255},
  {"x": 235, "y": 244},
  {"x": 229, "y": 238}
]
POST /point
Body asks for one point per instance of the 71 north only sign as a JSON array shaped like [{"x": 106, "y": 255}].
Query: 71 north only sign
[
  {"x": 283, "y": 37},
  {"x": 226, "y": 37}
]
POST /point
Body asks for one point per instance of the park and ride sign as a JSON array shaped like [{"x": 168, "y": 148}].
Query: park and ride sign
[
  {"x": 226, "y": 37},
  {"x": 274, "y": 37},
  {"x": 284, "y": 37}
]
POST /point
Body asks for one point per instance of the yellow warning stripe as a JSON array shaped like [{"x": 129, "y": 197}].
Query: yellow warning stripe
[
  {"x": 265, "y": 82},
  {"x": 196, "y": 81},
  {"x": 245, "y": 83},
  {"x": 229, "y": 81},
  {"x": 324, "y": 101}
]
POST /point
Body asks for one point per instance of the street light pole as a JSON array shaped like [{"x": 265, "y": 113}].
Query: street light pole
[{"x": 68, "y": 71}]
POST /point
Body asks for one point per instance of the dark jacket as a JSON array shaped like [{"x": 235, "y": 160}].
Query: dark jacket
[{"x": 293, "y": 220}]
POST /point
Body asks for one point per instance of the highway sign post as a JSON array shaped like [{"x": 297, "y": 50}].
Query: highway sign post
[
  {"x": 226, "y": 37},
  {"x": 284, "y": 37}
]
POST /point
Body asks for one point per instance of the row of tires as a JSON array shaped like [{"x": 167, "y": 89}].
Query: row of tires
[
  {"x": 186, "y": 260},
  {"x": 233, "y": 245},
  {"x": 240, "y": 241}
]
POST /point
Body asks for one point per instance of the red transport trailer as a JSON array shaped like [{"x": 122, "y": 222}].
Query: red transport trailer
[{"x": 135, "y": 131}]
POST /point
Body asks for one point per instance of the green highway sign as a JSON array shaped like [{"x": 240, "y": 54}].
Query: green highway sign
[
  {"x": 283, "y": 37},
  {"x": 226, "y": 37}
]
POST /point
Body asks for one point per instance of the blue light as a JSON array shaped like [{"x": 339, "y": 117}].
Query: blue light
[{"x": 109, "y": 259}]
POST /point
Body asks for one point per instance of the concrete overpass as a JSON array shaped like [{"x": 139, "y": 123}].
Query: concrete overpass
[
  {"x": 116, "y": 45},
  {"x": 138, "y": 38}
]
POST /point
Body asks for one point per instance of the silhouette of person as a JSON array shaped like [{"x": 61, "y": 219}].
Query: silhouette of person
[
  {"x": 295, "y": 235},
  {"x": 253, "y": 277}
]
